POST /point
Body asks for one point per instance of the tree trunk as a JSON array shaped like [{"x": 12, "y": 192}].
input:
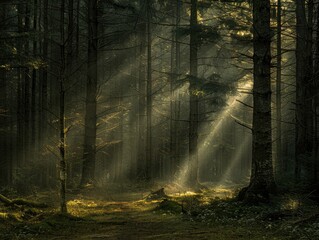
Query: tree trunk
[
  {"x": 70, "y": 36},
  {"x": 4, "y": 137},
  {"x": 149, "y": 97},
  {"x": 134, "y": 115},
  {"x": 69, "y": 62},
  {"x": 303, "y": 113},
  {"x": 262, "y": 179},
  {"x": 43, "y": 93},
  {"x": 12, "y": 139},
  {"x": 172, "y": 137},
  {"x": 62, "y": 164},
  {"x": 177, "y": 72},
  {"x": 192, "y": 180},
  {"x": 141, "y": 153},
  {"x": 175, "y": 49},
  {"x": 88, "y": 168},
  {"x": 20, "y": 102},
  {"x": 120, "y": 149},
  {"x": 44, "y": 80},
  {"x": 26, "y": 86},
  {"x": 310, "y": 98},
  {"x": 316, "y": 96},
  {"x": 279, "y": 160},
  {"x": 4, "y": 113},
  {"x": 34, "y": 84}
]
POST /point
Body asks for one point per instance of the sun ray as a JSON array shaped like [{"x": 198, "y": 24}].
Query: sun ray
[{"x": 217, "y": 126}]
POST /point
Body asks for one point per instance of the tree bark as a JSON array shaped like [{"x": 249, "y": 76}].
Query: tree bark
[
  {"x": 20, "y": 102},
  {"x": 70, "y": 35},
  {"x": 175, "y": 51},
  {"x": 177, "y": 72},
  {"x": 149, "y": 97},
  {"x": 192, "y": 180},
  {"x": 62, "y": 145},
  {"x": 262, "y": 179},
  {"x": 303, "y": 113},
  {"x": 69, "y": 63},
  {"x": 26, "y": 86},
  {"x": 279, "y": 159},
  {"x": 34, "y": 84},
  {"x": 172, "y": 129},
  {"x": 77, "y": 37},
  {"x": 316, "y": 96},
  {"x": 44, "y": 82},
  {"x": 4, "y": 113},
  {"x": 88, "y": 168},
  {"x": 141, "y": 153}
]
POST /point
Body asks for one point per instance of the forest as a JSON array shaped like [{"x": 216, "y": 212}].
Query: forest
[{"x": 159, "y": 119}]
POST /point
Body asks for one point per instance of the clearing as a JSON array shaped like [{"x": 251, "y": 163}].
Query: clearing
[{"x": 123, "y": 213}]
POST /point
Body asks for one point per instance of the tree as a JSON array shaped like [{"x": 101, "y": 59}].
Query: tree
[
  {"x": 279, "y": 158},
  {"x": 316, "y": 97},
  {"x": 26, "y": 85},
  {"x": 142, "y": 78},
  {"x": 262, "y": 179},
  {"x": 192, "y": 180},
  {"x": 34, "y": 82},
  {"x": 4, "y": 110},
  {"x": 20, "y": 102},
  {"x": 62, "y": 140},
  {"x": 44, "y": 78},
  {"x": 304, "y": 89},
  {"x": 149, "y": 96},
  {"x": 89, "y": 148},
  {"x": 175, "y": 66}
]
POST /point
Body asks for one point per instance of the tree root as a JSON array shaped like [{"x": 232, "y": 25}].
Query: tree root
[{"x": 256, "y": 193}]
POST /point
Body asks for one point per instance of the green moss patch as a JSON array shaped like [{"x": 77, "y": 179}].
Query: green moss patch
[{"x": 169, "y": 206}]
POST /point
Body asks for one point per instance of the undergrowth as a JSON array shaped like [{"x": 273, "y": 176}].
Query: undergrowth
[{"x": 290, "y": 216}]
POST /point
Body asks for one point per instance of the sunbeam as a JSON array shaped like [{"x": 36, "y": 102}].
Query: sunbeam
[
  {"x": 232, "y": 105},
  {"x": 235, "y": 160},
  {"x": 161, "y": 110}
]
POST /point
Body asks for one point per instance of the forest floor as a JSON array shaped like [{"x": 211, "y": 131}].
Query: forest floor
[{"x": 122, "y": 212}]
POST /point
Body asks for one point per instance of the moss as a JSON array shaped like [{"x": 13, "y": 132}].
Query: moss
[
  {"x": 157, "y": 195},
  {"x": 9, "y": 217},
  {"x": 220, "y": 220},
  {"x": 169, "y": 206}
]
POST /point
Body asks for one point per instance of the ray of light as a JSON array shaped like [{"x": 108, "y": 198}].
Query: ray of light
[
  {"x": 232, "y": 104},
  {"x": 235, "y": 159},
  {"x": 160, "y": 109}
]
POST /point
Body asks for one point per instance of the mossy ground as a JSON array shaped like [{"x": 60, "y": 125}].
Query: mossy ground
[{"x": 126, "y": 214}]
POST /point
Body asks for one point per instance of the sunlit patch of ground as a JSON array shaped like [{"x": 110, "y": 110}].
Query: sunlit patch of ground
[
  {"x": 210, "y": 214},
  {"x": 291, "y": 203},
  {"x": 89, "y": 208}
]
